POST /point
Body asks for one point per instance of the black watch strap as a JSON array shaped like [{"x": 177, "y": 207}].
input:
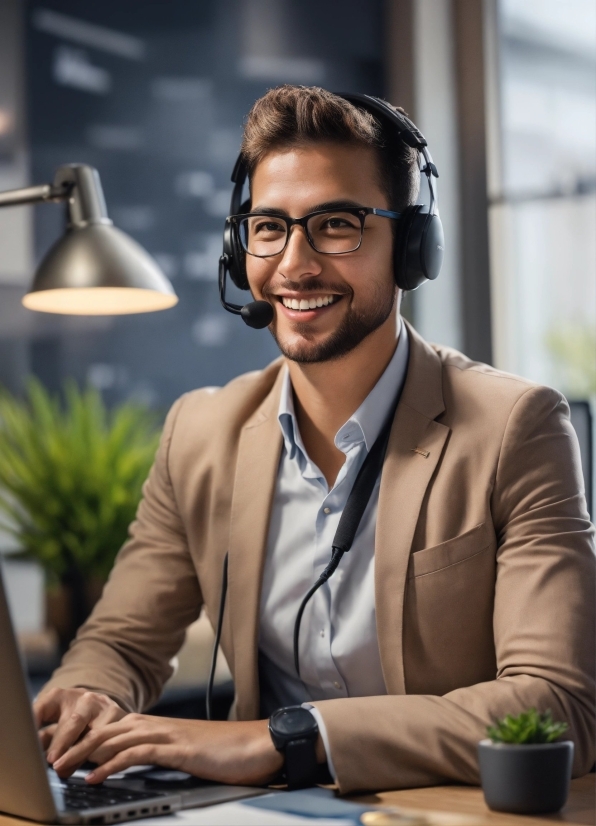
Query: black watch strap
[
  {"x": 301, "y": 764},
  {"x": 294, "y": 732}
]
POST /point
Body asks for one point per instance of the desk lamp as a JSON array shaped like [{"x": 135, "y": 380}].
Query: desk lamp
[{"x": 94, "y": 268}]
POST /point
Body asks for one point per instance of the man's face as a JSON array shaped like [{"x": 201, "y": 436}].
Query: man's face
[{"x": 357, "y": 288}]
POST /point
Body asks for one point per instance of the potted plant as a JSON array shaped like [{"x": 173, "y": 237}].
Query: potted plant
[
  {"x": 524, "y": 767},
  {"x": 71, "y": 474}
]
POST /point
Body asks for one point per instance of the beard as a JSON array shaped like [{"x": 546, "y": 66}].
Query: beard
[{"x": 354, "y": 327}]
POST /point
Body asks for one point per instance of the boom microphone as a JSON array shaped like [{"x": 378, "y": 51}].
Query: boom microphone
[{"x": 256, "y": 314}]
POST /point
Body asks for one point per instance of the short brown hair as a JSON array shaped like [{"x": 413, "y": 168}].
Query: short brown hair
[{"x": 296, "y": 115}]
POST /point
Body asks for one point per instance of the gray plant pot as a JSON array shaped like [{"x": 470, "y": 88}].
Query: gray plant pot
[{"x": 527, "y": 779}]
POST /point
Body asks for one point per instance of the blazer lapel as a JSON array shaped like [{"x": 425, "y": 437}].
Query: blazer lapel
[
  {"x": 415, "y": 447},
  {"x": 259, "y": 451}
]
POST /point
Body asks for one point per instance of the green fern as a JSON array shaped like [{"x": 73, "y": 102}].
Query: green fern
[
  {"x": 71, "y": 475},
  {"x": 528, "y": 727}
]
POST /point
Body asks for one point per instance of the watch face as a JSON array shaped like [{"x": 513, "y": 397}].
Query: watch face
[{"x": 293, "y": 721}]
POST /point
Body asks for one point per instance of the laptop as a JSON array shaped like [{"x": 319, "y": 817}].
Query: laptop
[{"x": 30, "y": 789}]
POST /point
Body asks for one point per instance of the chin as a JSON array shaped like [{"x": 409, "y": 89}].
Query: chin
[
  {"x": 295, "y": 338},
  {"x": 302, "y": 349},
  {"x": 312, "y": 350}
]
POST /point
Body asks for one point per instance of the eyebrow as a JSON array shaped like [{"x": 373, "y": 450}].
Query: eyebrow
[{"x": 340, "y": 204}]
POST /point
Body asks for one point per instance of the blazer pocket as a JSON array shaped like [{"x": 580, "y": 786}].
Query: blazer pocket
[{"x": 452, "y": 552}]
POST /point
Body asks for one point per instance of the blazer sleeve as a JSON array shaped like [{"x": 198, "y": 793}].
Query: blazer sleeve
[
  {"x": 152, "y": 595},
  {"x": 543, "y": 626}
]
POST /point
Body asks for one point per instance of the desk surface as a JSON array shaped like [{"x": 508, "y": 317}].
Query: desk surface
[{"x": 467, "y": 800}]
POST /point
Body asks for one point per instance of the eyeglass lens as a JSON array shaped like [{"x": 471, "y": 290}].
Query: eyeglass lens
[{"x": 330, "y": 232}]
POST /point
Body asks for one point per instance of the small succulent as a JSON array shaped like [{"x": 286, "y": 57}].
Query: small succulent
[{"x": 528, "y": 727}]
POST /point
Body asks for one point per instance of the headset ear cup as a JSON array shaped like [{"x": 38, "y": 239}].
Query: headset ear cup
[
  {"x": 233, "y": 255},
  {"x": 237, "y": 260},
  {"x": 237, "y": 254},
  {"x": 418, "y": 248},
  {"x": 401, "y": 243},
  {"x": 238, "y": 269}
]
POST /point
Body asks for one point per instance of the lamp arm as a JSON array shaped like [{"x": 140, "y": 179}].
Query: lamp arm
[
  {"x": 34, "y": 194},
  {"x": 77, "y": 184}
]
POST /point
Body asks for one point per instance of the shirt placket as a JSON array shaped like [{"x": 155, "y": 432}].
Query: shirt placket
[{"x": 321, "y": 626}]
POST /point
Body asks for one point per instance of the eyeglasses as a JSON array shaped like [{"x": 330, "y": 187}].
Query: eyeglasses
[{"x": 330, "y": 231}]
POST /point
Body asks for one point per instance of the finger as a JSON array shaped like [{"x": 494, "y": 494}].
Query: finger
[
  {"x": 136, "y": 756},
  {"x": 101, "y": 744},
  {"x": 47, "y": 707},
  {"x": 72, "y": 724},
  {"x": 65, "y": 773},
  {"x": 45, "y": 736},
  {"x": 68, "y": 732},
  {"x": 77, "y": 754}
]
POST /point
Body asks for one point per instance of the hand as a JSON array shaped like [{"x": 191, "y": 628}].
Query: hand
[
  {"x": 227, "y": 752},
  {"x": 64, "y": 714}
]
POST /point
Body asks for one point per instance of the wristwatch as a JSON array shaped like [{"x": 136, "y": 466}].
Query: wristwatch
[{"x": 294, "y": 732}]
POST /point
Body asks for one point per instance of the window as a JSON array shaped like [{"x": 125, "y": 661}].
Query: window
[{"x": 543, "y": 211}]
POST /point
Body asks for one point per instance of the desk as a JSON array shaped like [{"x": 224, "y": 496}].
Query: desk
[{"x": 580, "y": 809}]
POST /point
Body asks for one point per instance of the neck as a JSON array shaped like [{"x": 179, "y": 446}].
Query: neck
[{"x": 326, "y": 394}]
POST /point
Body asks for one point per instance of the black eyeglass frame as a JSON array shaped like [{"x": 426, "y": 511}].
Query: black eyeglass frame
[{"x": 359, "y": 212}]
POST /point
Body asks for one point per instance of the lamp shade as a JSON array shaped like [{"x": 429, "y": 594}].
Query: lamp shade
[{"x": 95, "y": 269}]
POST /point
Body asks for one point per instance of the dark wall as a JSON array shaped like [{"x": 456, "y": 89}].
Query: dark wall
[{"x": 159, "y": 113}]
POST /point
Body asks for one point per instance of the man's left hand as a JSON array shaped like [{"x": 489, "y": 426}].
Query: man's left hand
[{"x": 227, "y": 752}]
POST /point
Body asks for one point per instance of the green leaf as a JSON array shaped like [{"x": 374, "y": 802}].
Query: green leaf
[
  {"x": 528, "y": 727},
  {"x": 71, "y": 474}
]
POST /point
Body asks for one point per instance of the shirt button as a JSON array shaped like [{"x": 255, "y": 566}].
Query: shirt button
[
  {"x": 322, "y": 633},
  {"x": 326, "y": 510},
  {"x": 337, "y": 685}
]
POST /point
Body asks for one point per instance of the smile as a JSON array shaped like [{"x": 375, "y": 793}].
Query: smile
[{"x": 308, "y": 303}]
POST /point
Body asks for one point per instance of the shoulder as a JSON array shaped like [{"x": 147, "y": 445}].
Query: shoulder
[
  {"x": 473, "y": 391},
  {"x": 467, "y": 377},
  {"x": 460, "y": 368}
]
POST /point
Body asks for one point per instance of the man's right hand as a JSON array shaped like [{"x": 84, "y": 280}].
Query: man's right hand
[{"x": 63, "y": 715}]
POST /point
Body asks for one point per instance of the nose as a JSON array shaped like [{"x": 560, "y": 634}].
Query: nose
[{"x": 299, "y": 259}]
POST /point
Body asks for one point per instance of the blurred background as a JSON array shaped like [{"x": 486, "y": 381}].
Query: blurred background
[{"x": 153, "y": 95}]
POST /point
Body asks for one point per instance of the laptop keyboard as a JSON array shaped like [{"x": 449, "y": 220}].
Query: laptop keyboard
[{"x": 93, "y": 797}]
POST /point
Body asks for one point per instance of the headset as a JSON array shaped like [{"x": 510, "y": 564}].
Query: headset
[{"x": 419, "y": 242}]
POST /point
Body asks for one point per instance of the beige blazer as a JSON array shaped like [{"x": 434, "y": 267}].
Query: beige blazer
[{"x": 484, "y": 568}]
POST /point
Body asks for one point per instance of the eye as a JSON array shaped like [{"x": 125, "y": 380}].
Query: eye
[
  {"x": 268, "y": 226},
  {"x": 337, "y": 223}
]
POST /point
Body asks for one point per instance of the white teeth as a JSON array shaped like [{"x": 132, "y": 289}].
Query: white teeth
[{"x": 307, "y": 303}]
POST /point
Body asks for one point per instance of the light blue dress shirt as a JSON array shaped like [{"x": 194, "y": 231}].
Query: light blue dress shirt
[{"x": 339, "y": 652}]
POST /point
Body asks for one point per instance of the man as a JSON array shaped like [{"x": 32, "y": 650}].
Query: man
[{"x": 468, "y": 593}]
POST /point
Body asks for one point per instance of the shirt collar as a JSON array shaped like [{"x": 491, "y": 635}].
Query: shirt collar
[
  {"x": 287, "y": 418},
  {"x": 365, "y": 424}
]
